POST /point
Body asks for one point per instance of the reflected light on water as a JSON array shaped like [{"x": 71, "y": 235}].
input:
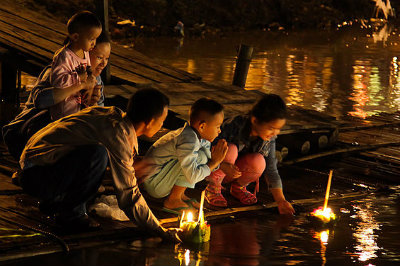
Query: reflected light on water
[
  {"x": 294, "y": 89},
  {"x": 360, "y": 92},
  {"x": 187, "y": 257},
  {"x": 394, "y": 84},
  {"x": 323, "y": 236},
  {"x": 332, "y": 73},
  {"x": 365, "y": 232},
  {"x": 191, "y": 66}
]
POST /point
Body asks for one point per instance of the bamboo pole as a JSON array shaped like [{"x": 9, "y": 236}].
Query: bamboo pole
[
  {"x": 363, "y": 127},
  {"x": 328, "y": 188}
]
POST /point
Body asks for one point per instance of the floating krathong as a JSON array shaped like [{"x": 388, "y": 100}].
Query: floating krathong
[
  {"x": 324, "y": 213},
  {"x": 195, "y": 231}
]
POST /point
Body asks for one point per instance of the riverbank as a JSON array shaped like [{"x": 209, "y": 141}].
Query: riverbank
[{"x": 159, "y": 17}]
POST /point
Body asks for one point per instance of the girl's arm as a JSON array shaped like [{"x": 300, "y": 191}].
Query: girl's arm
[{"x": 275, "y": 182}]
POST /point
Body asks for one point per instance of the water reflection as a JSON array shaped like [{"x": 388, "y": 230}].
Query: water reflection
[
  {"x": 365, "y": 232},
  {"x": 353, "y": 71},
  {"x": 323, "y": 236}
]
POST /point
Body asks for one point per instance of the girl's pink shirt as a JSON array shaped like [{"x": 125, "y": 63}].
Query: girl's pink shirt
[{"x": 63, "y": 75}]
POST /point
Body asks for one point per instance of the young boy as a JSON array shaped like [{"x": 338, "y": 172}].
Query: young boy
[{"x": 184, "y": 157}]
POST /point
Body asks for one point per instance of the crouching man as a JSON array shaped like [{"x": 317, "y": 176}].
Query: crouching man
[{"x": 64, "y": 163}]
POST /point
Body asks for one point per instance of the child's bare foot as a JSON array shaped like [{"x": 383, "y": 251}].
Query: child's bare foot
[{"x": 175, "y": 204}]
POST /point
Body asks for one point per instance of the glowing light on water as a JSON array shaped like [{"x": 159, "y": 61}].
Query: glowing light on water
[
  {"x": 360, "y": 90},
  {"x": 365, "y": 233},
  {"x": 324, "y": 214},
  {"x": 385, "y": 7},
  {"x": 187, "y": 257},
  {"x": 324, "y": 236}
]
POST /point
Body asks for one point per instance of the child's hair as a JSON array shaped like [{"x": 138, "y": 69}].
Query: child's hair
[
  {"x": 268, "y": 108},
  {"x": 204, "y": 105},
  {"x": 81, "y": 21},
  {"x": 146, "y": 104}
]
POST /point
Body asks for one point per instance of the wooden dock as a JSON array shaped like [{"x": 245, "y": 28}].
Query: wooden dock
[{"x": 367, "y": 151}]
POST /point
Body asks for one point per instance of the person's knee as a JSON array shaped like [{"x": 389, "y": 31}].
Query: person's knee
[
  {"x": 253, "y": 161},
  {"x": 232, "y": 154}
]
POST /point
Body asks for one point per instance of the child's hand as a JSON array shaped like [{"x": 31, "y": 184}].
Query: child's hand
[
  {"x": 81, "y": 70},
  {"x": 218, "y": 152},
  {"x": 88, "y": 88},
  {"x": 230, "y": 170}
]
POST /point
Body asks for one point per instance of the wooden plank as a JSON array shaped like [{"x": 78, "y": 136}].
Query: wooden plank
[
  {"x": 136, "y": 66},
  {"x": 40, "y": 46}
]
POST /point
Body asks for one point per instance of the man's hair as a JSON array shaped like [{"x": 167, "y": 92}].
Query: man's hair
[
  {"x": 103, "y": 38},
  {"x": 268, "y": 108},
  {"x": 145, "y": 105},
  {"x": 204, "y": 105},
  {"x": 82, "y": 20}
]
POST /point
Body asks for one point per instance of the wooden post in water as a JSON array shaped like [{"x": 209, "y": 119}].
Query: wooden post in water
[
  {"x": 102, "y": 13},
  {"x": 242, "y": 65}
]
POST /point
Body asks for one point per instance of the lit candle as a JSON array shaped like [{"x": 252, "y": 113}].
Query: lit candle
[{"x": 195, "y": 232}]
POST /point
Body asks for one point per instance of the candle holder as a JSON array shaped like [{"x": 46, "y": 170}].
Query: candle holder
[
  {"x": 322, "y": 218},
  {"x": 192, "y": 231}
]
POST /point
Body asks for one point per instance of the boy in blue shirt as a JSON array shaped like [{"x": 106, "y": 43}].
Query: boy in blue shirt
[{"x": 183, "y": 157}]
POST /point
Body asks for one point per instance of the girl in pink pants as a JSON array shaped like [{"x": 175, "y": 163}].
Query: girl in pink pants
[
  {"x": 251, "y": 154},
  {"x": 250, "y": 165}
]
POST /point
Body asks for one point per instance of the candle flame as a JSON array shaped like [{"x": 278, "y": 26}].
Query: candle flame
[
  {"x": 324, "y": 214},
  {"x": 189, "y": 217}
]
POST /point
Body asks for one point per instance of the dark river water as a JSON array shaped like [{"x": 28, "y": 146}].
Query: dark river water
[
  {"x": 367, "y": 232},
  {"x": 351, "y": 71}
]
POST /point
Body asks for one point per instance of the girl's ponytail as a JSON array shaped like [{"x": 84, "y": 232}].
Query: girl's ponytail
[{"x": 66, "y": 40}]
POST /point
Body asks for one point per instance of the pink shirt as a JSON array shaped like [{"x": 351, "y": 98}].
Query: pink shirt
[{"x": 63, "y": 75}]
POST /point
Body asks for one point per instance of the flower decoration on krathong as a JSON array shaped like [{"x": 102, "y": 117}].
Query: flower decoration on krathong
[{"x": 195, "y": 231}]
